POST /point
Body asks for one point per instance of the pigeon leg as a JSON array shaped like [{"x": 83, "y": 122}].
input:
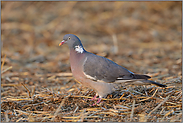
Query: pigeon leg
[
  {"x": 95, "y": 97},
  {"x": 99, "y": 100}
]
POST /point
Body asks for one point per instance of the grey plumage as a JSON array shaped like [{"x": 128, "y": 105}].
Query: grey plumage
[
  {"x": 106, "y": 70},
  {"x": 100, "y": 73}
]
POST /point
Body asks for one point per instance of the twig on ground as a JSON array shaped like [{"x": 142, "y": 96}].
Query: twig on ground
[
  {"x": 58, "y": 109},
  {"x": 132, "y": 112},
  {"x": 27, "y": 90},
  {"x": 159, "y": 105}
]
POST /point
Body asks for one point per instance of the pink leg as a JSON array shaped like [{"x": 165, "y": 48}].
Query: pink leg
[
  {"x": 99, "y": 99},
  {"x": 95, "y": 97}
]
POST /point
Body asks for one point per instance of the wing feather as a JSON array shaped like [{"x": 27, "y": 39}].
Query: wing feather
[{"x": 100, "y": 68}]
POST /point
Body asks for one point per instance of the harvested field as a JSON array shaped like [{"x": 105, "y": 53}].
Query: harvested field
[{"x": 36, "y": 81}]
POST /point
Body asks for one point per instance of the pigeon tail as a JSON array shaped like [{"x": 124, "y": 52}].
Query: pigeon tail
[{"x": 155, "y": 83}]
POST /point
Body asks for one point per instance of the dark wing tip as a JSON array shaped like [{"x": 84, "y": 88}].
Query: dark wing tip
[
  {"x": 158, "y": 84},
  {"x": 161, "y": 85},
  {"x": 137, "y": 76}
]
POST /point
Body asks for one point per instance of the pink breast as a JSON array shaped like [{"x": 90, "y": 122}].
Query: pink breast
[{"x": 76, "y": 62}]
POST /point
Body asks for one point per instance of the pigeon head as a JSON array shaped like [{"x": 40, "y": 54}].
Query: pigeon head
[{"x": 73, "y": 42}]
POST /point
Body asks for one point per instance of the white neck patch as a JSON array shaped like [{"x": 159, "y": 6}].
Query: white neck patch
[{"x": 79, "y": 49}]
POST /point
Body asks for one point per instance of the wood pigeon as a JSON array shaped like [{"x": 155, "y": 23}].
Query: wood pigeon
[{"x": 99, "y": 73}]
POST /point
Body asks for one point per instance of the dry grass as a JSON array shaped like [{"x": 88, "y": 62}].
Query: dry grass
[{"x": 36, "y": 82}]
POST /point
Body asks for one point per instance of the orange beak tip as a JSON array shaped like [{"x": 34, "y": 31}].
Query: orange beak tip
[{"x": 62, "y": 42}]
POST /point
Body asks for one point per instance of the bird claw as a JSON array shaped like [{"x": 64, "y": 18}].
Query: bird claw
[
  {"x": 95, "y": 97},
  {"x": 93, "y": 104},
  {"x": 99, "y": 100}
]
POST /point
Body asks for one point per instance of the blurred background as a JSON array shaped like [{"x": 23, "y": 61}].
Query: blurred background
[
  {"x": 140, "y": 33},
  {"x": 144, "y": 37}
]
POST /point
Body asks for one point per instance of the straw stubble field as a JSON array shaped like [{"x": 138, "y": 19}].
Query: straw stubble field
[{"x": 36, "y": 81}]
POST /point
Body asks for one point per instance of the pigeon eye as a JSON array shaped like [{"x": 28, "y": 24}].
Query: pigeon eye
[{"x": 69, "y": 38}]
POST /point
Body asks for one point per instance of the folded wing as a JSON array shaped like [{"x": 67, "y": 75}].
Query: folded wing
[{"x": 99, "y": 68}]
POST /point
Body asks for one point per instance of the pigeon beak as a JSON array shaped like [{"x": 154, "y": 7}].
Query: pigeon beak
[{"x": 62, "y": 42}]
